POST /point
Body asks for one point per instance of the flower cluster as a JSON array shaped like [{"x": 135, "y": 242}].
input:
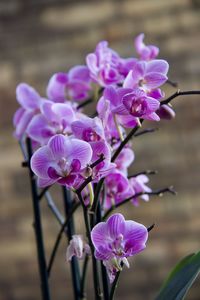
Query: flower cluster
[{"x": 70, "y": 147}]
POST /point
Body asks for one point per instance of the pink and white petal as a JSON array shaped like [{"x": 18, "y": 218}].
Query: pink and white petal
[
  {"x": 111, "y": 95},
  {"x": 17, "y": 116},
  {"x": 27, "y": 96},
  {"x": 80, "y": 72},
  {"x": 57, "y": 145},
  {"x": 56, "y": 87},
  {"x": 152, "y": 104},
  {"x": 77, "y": 149},
  {"x": 128, "y": 121},
  {"x": 41, "y": 161},
  {"x": 99, "y": 235},
  {"x": 91, "y": 61},
  {"x": 152, "y": 117},
  {"x": 157, "y": 66},
  {"x": 135, "y": 232},
  {"x": 23, "y": 122},
  {"x": 154, "y": 80},
  {"x": 64, "y": 110},
  {"x": 138, "y": 43},
  {"x": 47, "y": 111},
  {"x": 43, "y": 182},
  {"x": 98, "y": 148},
  {"x": 116, "y": 225},
  {"x": 39, "y": 130},
  {"x": 129, "y": 81}
]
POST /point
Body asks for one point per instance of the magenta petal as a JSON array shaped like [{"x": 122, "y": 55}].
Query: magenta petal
[
  {"x": 40, "y": 161},
  {"x": 27, "y": 96},
  {"x": 116, "y": 225},
  {"x": 154, "y": 80},
  {"x": 75, "y": 165},
  {"x": 52, "y": 173}
]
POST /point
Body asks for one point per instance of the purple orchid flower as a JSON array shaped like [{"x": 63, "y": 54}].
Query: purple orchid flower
[
  {"x": 74, "y": 85},
  {"x": 104, "y": 65},
  {"x": 110, "y": 105},
  {"x": 147, "y": 75},
  {"x": 117, "y": 189},
  {"x": 55, "y": 118},
  {"x": 117, "y": 239},
  {"x": 146, "y": 52},
  {"x": 88, "y": 129},
  {"x": 62, "y": 160},
  {"x": 139, "y": 105},
  {"x": 30, "y": 102},
  {"x": 138, "y": 185}
]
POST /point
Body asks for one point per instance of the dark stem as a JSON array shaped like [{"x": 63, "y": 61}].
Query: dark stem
[
  {"x": 179, "y": 93},
  {"x": 70, "y": 232},
  {"x": 42, "y": 193},
  {"x": 103, "y": 269},
  {"x": 38, "y": 231},
  {"x": 124, "y": 142},
  {"x": 172, "y": 83},
  {"x": 85, "y": 103},
  {"x": 114, "y": 285},
  {"x": 150, "y": 227},
  {"x": 159, "y": 192},
  {"x": 83, "y": 278},
  {"x": 97, "y": 289},
  {"x": 54, "y": 208},
  {"x": 58, "y": 239},
  {"x": 146, "y": 172},
  {"x": 148, "y": 130}
]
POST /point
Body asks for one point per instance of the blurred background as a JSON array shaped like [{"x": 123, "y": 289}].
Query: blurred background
[{"x": 41, "y": 37}]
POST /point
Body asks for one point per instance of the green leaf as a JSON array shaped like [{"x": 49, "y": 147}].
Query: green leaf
[{"x": 181, "y": 278}]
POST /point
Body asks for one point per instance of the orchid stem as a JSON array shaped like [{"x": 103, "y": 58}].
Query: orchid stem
[
  {"x": 38, "y": 231},
  {"x": 70, "y": 232},
  {"x": 159, "y": 192},
  {"x": 114, "y": 285},
  {"x": 179, "y": 93},
  {"x": 83, "y": 278},
  {"x": 58, "y": 239},
  {"x": 97, "y": 289}
]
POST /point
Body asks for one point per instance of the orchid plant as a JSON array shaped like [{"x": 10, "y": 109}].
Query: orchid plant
[{"x": 89, "y": 157}]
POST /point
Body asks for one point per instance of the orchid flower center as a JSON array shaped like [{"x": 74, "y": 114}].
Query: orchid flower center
[
  {"x": 118, "y": 245},
  {"x": 138, "y": 107},
  {"x": 89, "y": 135}
]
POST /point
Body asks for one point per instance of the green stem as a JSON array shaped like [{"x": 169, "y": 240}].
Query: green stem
[
  {"x": 83, "y": 278},
  {"x": 97, "y": 289},
  {"x": 114, "y": 285}
]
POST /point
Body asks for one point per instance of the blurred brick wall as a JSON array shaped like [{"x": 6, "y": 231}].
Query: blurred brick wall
[{"x": 38, "y": 38}]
